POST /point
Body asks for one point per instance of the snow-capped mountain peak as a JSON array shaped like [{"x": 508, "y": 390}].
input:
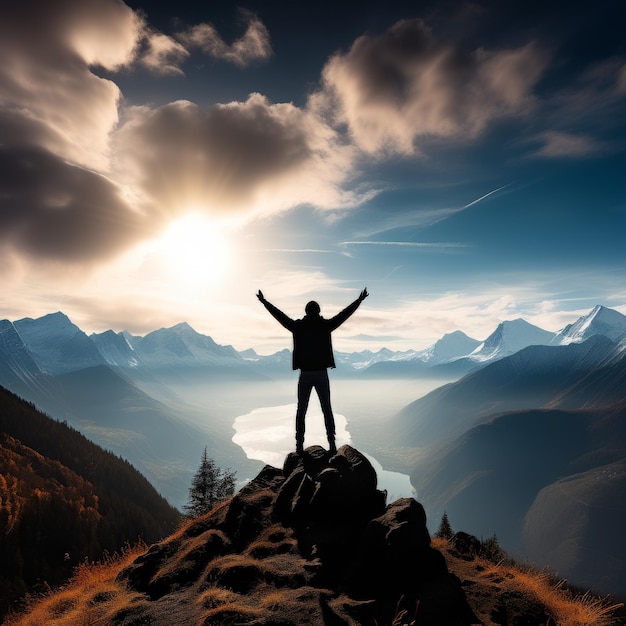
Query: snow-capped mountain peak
[
  {"x": 181, "y": 344},
  {"x": 116, "y": 349},
  {"x": 58, "y": 345},
  {"x": 509, "y": 337},
  {"x": 451, "y": 346},
  {"x": 599, "y": 321}
]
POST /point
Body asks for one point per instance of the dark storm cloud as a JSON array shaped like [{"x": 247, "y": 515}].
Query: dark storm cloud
[
  {"x": 52, "y": 210},
  {"x": 56, "y": 116}
]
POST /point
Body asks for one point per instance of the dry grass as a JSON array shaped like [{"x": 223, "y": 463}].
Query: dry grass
[
  {"x": 215, "y": 597},
  {"x": 567, "y": 607},
  {"x": 90, "y": 597},
  {"x": 231, "y": 613},
  {"x": 93, "y": 597}
]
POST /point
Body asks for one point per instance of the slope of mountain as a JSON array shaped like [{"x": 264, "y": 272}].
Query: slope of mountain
[
  {"x": 529, "y": 475},
  {"x": 425, "y": 363},
  {"x": 549, "y": 483},
  {"x": 450, "y": 347},
  {"x": 17, "y": 366},
  {"x": 576, "y": 524},
  {"x": 510, "y": 337},
  {"x": 64, "y": 500},
  {"x": 58, "y": 345},
  {"x": 604, "y": 385},
  {"x": 488, "y": 477},
  {"x": 525, "y": 380},
  {"x": 177, "y": 354},
  {"x": 181, "y": 345},
  {"x": 116, "y": 349},
  {"x": 456, "y": 354},
  {"x": 599, "y": 321},
  {"x": 112, "y": 411}
]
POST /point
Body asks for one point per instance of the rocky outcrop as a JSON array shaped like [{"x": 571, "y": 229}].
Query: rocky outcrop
[{"x": 311, "y": 543}]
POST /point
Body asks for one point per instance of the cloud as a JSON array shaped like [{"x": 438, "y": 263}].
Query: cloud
[
  {"x": 558, "y": 144},
  {"x": 254, "y": 45},
  {"x": 52, "y": 210},
  {"x": 404, "y": 85},
  {"x": 47, "y": 49},
  {"x": 242, "y": 158},
  {"x": 586, "y": 116},
  {"x": 164, "y": 55},
  {"x": 56, "y": 118},
  {"x": 71, "y": 170}
]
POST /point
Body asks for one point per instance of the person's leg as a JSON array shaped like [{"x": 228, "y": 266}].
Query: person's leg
[
  {"x": 305, "y": 384},
  {"x": 322, "y": 386}
]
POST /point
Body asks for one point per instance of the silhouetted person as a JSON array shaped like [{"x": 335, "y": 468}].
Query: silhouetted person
[{"x": 312, "y": 355}]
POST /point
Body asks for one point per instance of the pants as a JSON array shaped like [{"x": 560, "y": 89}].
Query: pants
[{"x": 307, "y": 381}]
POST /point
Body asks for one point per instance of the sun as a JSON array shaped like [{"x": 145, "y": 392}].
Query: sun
[{"x": 195, "y": 249}]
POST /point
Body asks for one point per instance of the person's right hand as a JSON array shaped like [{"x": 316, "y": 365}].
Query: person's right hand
[
  {"x": 260, "y": 296},
  {"x": 363, "y": 294}
]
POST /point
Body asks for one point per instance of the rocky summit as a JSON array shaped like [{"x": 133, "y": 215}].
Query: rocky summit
[{"x": 311, "y": 543}]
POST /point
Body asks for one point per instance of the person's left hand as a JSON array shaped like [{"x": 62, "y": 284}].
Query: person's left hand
[
  {"x": 364, "y": 294},
  {"x": 260, "y": 296}
]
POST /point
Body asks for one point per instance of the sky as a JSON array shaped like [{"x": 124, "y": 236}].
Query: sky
[{"x": 161, "y": 162}]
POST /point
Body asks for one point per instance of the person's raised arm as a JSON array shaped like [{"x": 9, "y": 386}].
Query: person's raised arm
[
  {"x": 278, "y": 315},
  {"x": 341, "y": 317}
]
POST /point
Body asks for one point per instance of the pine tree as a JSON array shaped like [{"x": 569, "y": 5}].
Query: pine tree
[
  {"x": 491, "y": 549},
  {"x": 209, "y": 486},
  {"x": 445, "y": 530}
]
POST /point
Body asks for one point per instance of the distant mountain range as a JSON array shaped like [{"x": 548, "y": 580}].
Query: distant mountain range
[
  {"x": 117, "y": 388},
  {"x": 52, "y": 344},
  {"x": 98, "y": 384}
]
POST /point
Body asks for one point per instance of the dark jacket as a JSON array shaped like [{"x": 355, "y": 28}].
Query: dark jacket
[{"x": 312, "y": 345}]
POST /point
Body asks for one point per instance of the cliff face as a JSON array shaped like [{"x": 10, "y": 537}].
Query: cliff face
[{"x": 311, "y": 543}]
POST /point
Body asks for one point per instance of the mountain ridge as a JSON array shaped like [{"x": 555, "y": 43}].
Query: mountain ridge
[
  {"x": 64, "y": 500},
  {"x": 56, "y": 345}
]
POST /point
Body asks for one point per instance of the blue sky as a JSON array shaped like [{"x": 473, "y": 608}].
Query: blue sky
[{"x": 162, "y": 161}]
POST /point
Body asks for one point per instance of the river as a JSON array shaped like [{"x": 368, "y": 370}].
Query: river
[{"x": 267, "y": 434}]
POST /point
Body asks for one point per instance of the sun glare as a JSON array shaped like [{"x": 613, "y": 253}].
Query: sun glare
[{"x": 195, "y": 249}]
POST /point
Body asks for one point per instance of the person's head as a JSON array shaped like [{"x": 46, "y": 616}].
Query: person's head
[{"x": 312, "y": 308}]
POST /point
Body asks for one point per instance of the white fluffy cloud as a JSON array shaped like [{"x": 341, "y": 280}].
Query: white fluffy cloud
[
  {"x": 47, "y": 49},
  {"x": 254, "y": 45},
  {"x": 392, "y": 90},
  {"x": 163, "y": 55}
]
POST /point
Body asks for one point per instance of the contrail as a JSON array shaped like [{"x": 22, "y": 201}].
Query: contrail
[
  {"x": 411, "y": 244},
  {"x": 485, "y": 196}
]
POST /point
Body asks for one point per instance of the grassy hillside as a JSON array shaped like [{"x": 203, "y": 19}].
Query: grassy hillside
[{"x": 96, "y": 595}]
